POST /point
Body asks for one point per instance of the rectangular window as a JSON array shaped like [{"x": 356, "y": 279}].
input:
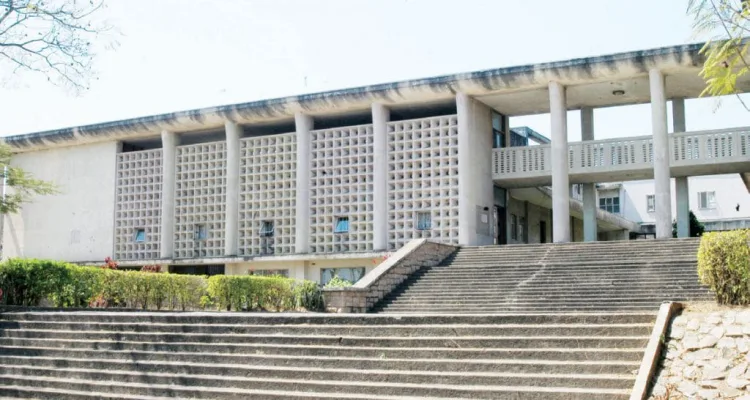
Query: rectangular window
[
  {"x": 651, "y": 203},
  {"x": 424, "y": 220},
  {"x": 521, "y": 224},
  {"x": 266, "y": 229},
  {"x": 707, "y": 200},
  {"x": 351, "y": 274},
  {"x": 200, "y": 232},
  {"x": 139, "y": 235},
  {"x": 513, "y": 227},
  {"x": 342, "y": 225},
  {"x": 610, "y": 204},
  {"x": 269, "y": 272}
]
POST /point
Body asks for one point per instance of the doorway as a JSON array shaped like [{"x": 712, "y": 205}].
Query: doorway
[
  {"x": 542, "y": 231},
  {"x": 501, "y": 235}
]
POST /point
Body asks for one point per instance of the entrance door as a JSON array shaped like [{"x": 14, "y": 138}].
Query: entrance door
[
  {"x": 542, "y": 231},
  {"x": 501, "y": 236}
]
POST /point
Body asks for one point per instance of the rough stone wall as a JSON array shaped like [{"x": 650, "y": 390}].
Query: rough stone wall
[
  {"x": 706, "y": 357},
  {"x": 381, "y": 281}
]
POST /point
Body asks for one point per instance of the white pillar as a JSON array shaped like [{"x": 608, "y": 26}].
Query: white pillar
[
  {"x": 662, "y": 187},
  {"x": 169, "y": 160},
  {"x": 231, "y": 220},
  {"x": 560, "y": 181},
  {"x": 380, "y": 117},
  {"x": 304, "y": 124},
  {"x": 681, "y": 183},
  {"x": 589, "y": 189}
]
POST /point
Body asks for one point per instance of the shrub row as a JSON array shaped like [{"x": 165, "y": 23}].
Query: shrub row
[
  {"x": 28, "y": 282},
  {"x": 724, "y": 265}
]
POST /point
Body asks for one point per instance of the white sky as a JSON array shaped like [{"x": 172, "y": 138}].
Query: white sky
[{"x": 183, "y": 54}]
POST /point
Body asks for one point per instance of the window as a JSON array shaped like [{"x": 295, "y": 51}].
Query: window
[
  {"x": 424, "y": 221},
  {"x": 521, "y": 224},
  {"x": 201, "y": 232},
  {"x": 610, "y": 204},
  {"x": 266, "y": 229},
  {"x": 352, "y": 274},
  {"x": 269, "y": 272},
  {"x": 707, "y": 200},
  {"x": 498, "y": 131},
  {"x": 513, "y": 227},
  {"x": 342, "y": 225},
  {"x": 139, "y": 235},
  {"x": 651, "y": 203}
]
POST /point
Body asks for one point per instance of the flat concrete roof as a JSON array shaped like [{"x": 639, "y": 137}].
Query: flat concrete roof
[{"x": 518, "y": 90}]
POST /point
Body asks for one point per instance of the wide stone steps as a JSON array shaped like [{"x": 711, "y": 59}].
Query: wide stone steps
[
  {"x": 127, "y": 355},
  {"x": 612, "y": 276}
]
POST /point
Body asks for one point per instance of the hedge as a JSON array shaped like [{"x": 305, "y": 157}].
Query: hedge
[
  {"x": 724, "y": 265},
  {"x": 29, "y": 282}
]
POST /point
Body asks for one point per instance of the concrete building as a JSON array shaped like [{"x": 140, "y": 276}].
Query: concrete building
[{"x": 329, "y": 183}]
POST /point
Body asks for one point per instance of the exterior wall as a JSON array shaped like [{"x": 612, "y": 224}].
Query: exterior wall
[
  {"x": 536, "y": 215},
  {"x": 730, "y": 192},
  {"x": 576, "y": 225},
  {"x": 200, "y": 198},
  {"x": 139, "y": 188},
  {"x": 341, "y": 185},
  {"x": 78, "y": 223},
  {"x": 268, "y": 192},
  {"x": 314, "y": 267},
  {"x": 303, "y": 269},
  {"x": 423, "y": 176},
  {"x": 296, "y": 268},
  {"x": 515, "y": 207}
]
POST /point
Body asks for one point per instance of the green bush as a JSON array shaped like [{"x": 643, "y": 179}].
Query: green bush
[
  {"x": 724, "y": 265},
  {"x": 26, "y": 282},
  {"x": 337, "y": 282},
  {"x": 148, "y": 290},
  {"x": 258, "y": 293}
]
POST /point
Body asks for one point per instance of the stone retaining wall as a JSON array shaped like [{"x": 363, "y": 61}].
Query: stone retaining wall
[
  {"x": 386, "y": 276},
  {"x": 706, "y": 357}
]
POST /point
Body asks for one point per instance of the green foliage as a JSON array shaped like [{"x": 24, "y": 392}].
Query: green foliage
[
  {"x": 22, "y": 186},
  {"x": 262, "y": 293},
  {"x": 727, "y": 22},
  {"x": 29, "y": 282},
  {"x": 337, "y": 282},
  {"x": 696, "y": 227},
  {"x": 724, "y": 265}
]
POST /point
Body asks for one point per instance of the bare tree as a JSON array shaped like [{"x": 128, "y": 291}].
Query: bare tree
[
  {"x": 727, "y": 23},
  {"x": 51, "y": 37}
]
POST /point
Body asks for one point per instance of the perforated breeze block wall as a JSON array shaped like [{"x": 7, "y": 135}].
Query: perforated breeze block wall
[
  {"x": 200, "y": 199},
  {"x": 423, "y": 176},
  {"x": 138, "y": 205},
  {"x": 268, "y": 192},
  {"x": 341, "y": 184}
]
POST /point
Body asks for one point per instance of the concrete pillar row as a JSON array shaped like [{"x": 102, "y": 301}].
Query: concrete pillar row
[
  {"x": 380, "y": 117},
  {"x": 662, "y": 188},
  {"x": 169, "y": 141},
  {"x": 560, "y": 181},
  {"x": 589, "y": 189},
  {"x": 231, "y": 225},
  {"x": 682, "y": 188},
  {"x": 304, "y": 124}
]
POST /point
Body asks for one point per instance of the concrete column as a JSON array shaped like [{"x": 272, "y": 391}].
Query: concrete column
[
  {"x": 304, "y": 124},
  {"x": 661, "y": 155},
  {"x": 475, "y": 193},
  {"x": 681, "y": 183},
  {"x": 231, "y": 220},
  {"x": 169, "y": 142},
  {"x": 380, "y": 117},
  {"x": 588, "y": 189},
  {"x": 560, "y": 182}
]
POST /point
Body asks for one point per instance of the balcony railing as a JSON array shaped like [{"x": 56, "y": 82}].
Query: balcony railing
[{"x": 687, "y": 149}]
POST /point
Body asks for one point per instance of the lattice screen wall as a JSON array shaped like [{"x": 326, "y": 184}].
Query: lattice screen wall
[
  {"x": 268, "y": 192},
  {"x": 341, "y": 179},
  {"x": 138, "y": 205},
  {"x": 200, "y": 200},
  {"x": 423, "y": 177}
]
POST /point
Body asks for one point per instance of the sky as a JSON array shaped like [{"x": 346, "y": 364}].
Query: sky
[{"x": 184, "y": 54}]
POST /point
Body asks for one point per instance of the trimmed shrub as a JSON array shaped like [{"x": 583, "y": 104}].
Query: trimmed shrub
[
  {"x": 337, "y": 282},
  {"x": 147, "y": 290},
  {"x": 262, "y": 293},
  {"x": 724, "y": 265},
  {"x": 26, "y": 282}
]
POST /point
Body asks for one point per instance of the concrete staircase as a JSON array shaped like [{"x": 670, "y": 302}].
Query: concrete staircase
[
  {"x": 600, "y": 276},
  {"x": 125, "y": 355}
]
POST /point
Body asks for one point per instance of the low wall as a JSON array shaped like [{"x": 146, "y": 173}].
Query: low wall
[
  {"x": 706, "y": 357},
  {"x": 386, "y": 276}
]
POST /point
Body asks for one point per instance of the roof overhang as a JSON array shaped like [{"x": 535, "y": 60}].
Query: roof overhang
[{"x": 519, "y": 90}]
